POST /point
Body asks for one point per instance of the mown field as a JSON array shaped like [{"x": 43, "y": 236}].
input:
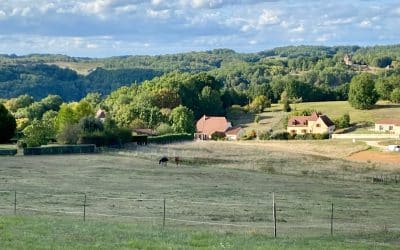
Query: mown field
[
  {"x": 336, "y": 109},
  {"x": 224, "y": 190}
]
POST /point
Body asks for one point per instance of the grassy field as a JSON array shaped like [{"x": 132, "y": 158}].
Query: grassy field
[
  {"x": 221, "y": 187},
  {"x": 51, "y": 233},
  {"x": 336, "y": 109},
  {"x": 272, "y": 118}
]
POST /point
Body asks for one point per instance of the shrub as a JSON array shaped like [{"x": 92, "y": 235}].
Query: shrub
[
  {"x": 164, "y": 128},
  {"x": 137, "y": 123},
  {"x": 321, "y": 136},
  {"x": 218, "y": 136},
  {"x": 38, "y": 133},
  {"x": 264, "y": 135},
  {"x": 286, "y": 106},
  {"x": 90, "y": 124},
  {"x": 395, "y": 95},
  {"x": 249, "y": 135},
  {"x": 343, "y": 121},
  {"x": 268, "y": 169},
  {"x": 163, "y": 139},
  {"x": 69, "y": 134},
  {"x": 281, "y": 135}
]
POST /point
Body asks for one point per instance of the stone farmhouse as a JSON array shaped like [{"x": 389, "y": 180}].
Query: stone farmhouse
[
  {"x": 389, "y": 125},
  {"x": 208, "y": 125},
  {"x": 313, "y": 124}
]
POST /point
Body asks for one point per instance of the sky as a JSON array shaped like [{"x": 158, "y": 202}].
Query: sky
[{"x": 103, "y": 28}]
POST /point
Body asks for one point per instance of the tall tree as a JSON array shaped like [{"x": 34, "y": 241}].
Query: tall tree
[
  {"x": 182, "y": 120},
  {"x": 362, "y": 93},
  {"x": 7, "y": 124}
]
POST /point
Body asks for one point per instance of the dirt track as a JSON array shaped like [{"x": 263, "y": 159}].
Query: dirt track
[{"x": 377, "y": 157}]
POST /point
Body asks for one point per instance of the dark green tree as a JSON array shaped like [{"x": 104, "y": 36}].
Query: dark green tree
[
  {"x": 362, "y": 93},
  {"x": 7, "y": 124}
]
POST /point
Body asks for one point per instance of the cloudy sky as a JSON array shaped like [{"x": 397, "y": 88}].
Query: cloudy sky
[{"x": 100, "y": 28}]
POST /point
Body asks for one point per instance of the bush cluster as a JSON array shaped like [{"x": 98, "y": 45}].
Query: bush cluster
[{"x": 164, "y": 139}]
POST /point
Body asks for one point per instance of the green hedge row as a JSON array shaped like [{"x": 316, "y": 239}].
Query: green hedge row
[
  {"x": 63, "y": 149},
  {"x": 114, "y": 138},
  {"x": 8, "y": 151},
  {"x": 170, "y": 138}
]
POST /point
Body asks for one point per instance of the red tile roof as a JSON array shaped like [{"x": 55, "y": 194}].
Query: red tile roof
[
  {"x": 302, "y": 121},
  {"x": 210, "y": 124},
  {"x": 389, "y": 121}
]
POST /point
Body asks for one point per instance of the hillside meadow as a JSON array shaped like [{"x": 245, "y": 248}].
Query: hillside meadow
[
  {"x": 221, "y": 192},
  {"x": 274, "y": 117}
]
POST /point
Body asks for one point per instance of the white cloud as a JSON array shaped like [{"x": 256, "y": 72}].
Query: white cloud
[
  {"x": 268, "y": 17},
  {"x": 162, "y": 14},
  {"x": 3, "y": 15},
  {"x": 365, "y": 24},
  {"x": 325, "y": 37},
  {"x": 202, "y": 3},
  {"x": 92, "y": 46},
  {"x": 339, "y": 21},
  {"x": 126, "y": 9}
]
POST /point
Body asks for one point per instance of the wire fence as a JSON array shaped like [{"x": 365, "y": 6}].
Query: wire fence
[{"x": 286, "y": 218}]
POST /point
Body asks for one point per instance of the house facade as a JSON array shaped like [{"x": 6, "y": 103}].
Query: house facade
[
  {"x": 208, "y": 125},
  {"x": 388, "y": 126},
  {"x": 313, "y": 124}
]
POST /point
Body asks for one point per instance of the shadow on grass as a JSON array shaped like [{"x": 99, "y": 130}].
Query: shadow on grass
[{"x": 386, "y": 106}]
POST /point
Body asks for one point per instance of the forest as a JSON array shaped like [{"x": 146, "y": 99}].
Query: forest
[
  {"x": 45, "y": 102},
  {"x": 317, "y": 73}
]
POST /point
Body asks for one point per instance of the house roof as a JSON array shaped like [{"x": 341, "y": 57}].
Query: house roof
[
  {"x": 389, "y": 121},
  {"x": 211, "y": 124},
  {"x": 302, "y": 121},
  {"x": 328, "y": 122},
  {"x": 233, "y": 131}
]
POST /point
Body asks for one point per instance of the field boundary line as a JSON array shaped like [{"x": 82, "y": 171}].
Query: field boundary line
[
  {"x": 218, "y": 204},
  {"x": 48, "y": 211}
]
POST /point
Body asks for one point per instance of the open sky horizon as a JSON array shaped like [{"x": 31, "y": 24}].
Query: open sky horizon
[{"x": 103, "y": 28}]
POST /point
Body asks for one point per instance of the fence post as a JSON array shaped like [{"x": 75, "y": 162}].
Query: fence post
[
  {"x": 332, "y": 220},
  {"x": 84, "y": 209},
  {"x": 15, "y": 202},
  {"x": 163, "y": 224},
  {"x": 274, "y": 212}
]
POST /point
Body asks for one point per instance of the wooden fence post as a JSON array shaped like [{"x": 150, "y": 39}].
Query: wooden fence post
[
  {"x": 332, "y": 220},
  {"x": 274, "y": 212},
  {"x": 15, "y": 202},
  {"x": 84, "y": 209},
  {"x": 163, "y": 225}
]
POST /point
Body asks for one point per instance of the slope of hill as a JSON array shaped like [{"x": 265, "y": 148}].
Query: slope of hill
[{"x": 73, "y": 77}]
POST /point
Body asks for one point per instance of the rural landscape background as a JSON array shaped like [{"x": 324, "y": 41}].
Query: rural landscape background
[{"x": 94, "y": 94}]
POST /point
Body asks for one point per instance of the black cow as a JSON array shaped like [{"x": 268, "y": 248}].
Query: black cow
[{"x": 163, "y": 161}]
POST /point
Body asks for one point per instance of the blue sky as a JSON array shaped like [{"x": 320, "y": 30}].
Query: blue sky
[{"x": 101, "y": 28}]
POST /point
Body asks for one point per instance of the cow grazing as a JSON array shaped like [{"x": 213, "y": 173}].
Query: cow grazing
[{"x": 163, "y": 161}]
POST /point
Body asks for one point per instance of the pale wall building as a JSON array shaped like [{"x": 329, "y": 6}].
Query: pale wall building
[{"x": 313, "y": 124}]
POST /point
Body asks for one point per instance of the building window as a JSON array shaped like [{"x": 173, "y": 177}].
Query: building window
[
  {"x": 390, "y": 127},
  {"x": 304, "y": 131},
  {"x": 380, "y": 127},
  {"x": 318, "y": 125}
]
